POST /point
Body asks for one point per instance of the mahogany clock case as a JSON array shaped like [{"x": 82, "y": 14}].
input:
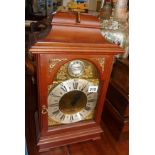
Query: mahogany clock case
[
  {"x": 70, "y": 39},
  {"x": 70, "y": 133}
]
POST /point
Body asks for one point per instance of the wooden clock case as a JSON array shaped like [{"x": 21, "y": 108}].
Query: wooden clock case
[{"x": 70, "y": 36}]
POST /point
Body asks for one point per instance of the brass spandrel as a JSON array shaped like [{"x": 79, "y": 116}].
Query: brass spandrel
[
  {"x": 90, "y": 71},
  {"x": 51, "y": 122},
  {"x": 53, "y": 62},
  {"x": 62, "y": 73},
  {"x": 101, "y": 61},
  {"x": 53, "y": 85}
]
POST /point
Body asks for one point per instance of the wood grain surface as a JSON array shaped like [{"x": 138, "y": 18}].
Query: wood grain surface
[
  {"x": 68, "y": 39},
  {"x": 107, "y": 145}
]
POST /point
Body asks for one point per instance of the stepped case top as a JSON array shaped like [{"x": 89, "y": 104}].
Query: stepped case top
[
  {"x": 73, "y": 50},
  {"x": 70, "y": 32}
]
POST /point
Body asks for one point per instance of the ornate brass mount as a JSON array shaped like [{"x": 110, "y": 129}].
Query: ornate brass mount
[
  {"x": 101, "y": 61},
  {"x": 53, "y": 62},
  {"x": 63, "y": 75}
]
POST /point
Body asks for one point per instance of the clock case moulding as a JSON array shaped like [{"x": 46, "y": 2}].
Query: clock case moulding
[{"x": 68, "y": 36}]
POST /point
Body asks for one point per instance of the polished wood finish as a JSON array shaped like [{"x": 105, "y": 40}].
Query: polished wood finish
[
  {"x": 120, "y": 74},
  {"x": 116, "y": 109},
  {"x": 118, "y": 99},
  {"x": 107, "y": 145},
  {"x": 71, "y": 40}
]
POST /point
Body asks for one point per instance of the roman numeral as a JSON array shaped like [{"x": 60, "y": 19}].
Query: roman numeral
[
  {"x": 63, "y": 88},
  {"x": 54, "y": 95},
  {"x": 54, "y": 105},
  {"x": 81, "y": 115},
  {"x": 87, "y": 108},
  {"x": 56, "y": 112},
  {"x": 75, "y": 85},
  {"x": 89, "y": 93},
  {"x": 62, "y": 117},
  {"x": 84, "y": 87},
  {"x": 91, "y": 100},
  {"x": 71, "y": 118}
]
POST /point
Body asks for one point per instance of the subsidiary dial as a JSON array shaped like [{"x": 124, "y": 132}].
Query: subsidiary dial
[{"x": 76, "y": 68}]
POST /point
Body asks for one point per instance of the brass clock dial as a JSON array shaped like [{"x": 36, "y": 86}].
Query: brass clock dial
[{"x": 72, "y": 101}]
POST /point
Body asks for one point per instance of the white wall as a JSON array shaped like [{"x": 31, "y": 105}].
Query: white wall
[{"x": 65, "y": 2}]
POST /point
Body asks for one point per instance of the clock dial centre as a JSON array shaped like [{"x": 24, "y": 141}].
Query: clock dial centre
[{"x": 72, "y": 102}]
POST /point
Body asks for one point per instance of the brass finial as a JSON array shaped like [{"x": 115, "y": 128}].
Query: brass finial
[{"x": 78, "y": 19}]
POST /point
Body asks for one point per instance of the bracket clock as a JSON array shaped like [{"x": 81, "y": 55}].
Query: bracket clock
[{"x": 73, "y": 63}]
